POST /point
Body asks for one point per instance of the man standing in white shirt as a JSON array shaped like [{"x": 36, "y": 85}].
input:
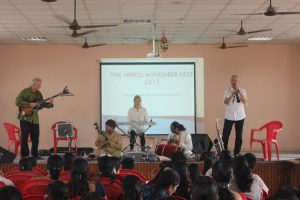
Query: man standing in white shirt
[
  {"x": 234, "y": 99},
  {"x": 136, "y": 116}
]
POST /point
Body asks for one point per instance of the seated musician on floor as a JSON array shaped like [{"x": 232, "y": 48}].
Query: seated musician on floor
[
  {"x": 180, "y": 137},
  {"x": 110, "y": 142}
]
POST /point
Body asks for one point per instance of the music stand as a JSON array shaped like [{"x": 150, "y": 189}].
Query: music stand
[{"x": 129, "y": 136}]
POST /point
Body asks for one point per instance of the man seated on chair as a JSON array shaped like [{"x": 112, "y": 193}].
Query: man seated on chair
[{"x": 109, "y": 142}]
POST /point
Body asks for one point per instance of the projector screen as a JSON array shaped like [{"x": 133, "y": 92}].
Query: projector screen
[{"x": 167, "y": 88}]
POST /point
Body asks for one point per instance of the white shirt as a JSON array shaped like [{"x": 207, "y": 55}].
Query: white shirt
[
  {"x": 136, "y": 116},
  {"x": 185, "y": 141},
  {"x": 235, "y": 111},
  {"x": 6, "y": 181}
]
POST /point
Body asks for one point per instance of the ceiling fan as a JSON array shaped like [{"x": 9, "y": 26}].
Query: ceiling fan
[
  {"x": 271, "y": 11},
  {"x": 75, "y": 26},
  {"x": 224, "y": 45},
  {"x": 86, "y": 44},
  {"x": 243, "y": 32}
]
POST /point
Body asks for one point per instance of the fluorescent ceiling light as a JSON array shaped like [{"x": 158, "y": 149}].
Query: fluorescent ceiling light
[
  {"x": 260, "y": 38},
  {"x": 137, "y": 21},
  {"x": 34, "y": 39}
]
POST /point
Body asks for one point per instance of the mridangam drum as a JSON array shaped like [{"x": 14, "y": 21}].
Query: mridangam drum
[{"x": 167, "y": 149}]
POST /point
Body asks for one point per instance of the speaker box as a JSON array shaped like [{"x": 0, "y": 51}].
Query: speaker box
[
  {"x": 6, "y": 156},
  {"x": 201, "y": 143}
]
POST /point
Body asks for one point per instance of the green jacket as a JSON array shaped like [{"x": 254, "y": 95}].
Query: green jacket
[{"x": 26, "y": 97}]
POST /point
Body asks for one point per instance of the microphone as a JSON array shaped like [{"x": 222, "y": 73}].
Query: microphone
[{"x": 238, "y": 100}]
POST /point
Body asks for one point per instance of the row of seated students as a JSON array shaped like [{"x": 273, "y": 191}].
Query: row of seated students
[{"x": 226, "y": 178}]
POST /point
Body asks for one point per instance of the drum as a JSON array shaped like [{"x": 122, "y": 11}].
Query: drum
[{"x": 167, "y": 149}]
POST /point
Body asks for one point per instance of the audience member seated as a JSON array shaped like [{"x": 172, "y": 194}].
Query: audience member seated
[
  {"x": 5, "y": 181},
  {"x": 10, "y": 193},
  {"x": 194, "y": 172},
  {"x": 222, "y": 173},
  {"x": 127, "y": 168},
  {"x": 56, "y": 191},
  {"x": 204, "y": 188},
  {"x": 132, "y": 187},
  {"x": 164, "y": 187},
  {"x": 107, "y": 167},
  {"x": 183, "y": 189},
  {"x": 54, "y": 166},
  {"x": 225, "y": 156},
  {"x": 285, "y": 193},
  {"x": 162, "y": 167},
  {"x": 80, "y": 184},
  {"x": 244, "y": 180},
  {"x": 251, "y": 158},
  {"x": 68, "y": 159},
  {"x": 127, "y": 163}
]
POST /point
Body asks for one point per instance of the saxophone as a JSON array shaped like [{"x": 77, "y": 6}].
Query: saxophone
[{"x": 218, "y": 141}]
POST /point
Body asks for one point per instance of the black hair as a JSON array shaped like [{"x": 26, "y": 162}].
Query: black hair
[
  {"x": 54, "y": 165},
  {"x": 56, "y": 190},
  {"x": 117, "y": 162},
  {"x": 285, "y": 193},
  {"x": 132, "y": 187},
  {"x": 111, "y": 123},
  {"x": 222, "y": 173},
  {"x": 242, "y": 173},
  {"x": 183, "y": 188},
  {"x": 167, "y": 178},
  {"x": 208, "y": 163},
  {"x": 204, "y": 188},
  {"x": 194, "y": 171},
  {"x": 178, "y": 156},
  {"x": 162, "y": 167},
  {"x": 10, "y": 193},
  {"x": 91, "y": 196},
  {"x": 177, "y": 125},
  {"x": 225, "y": 156},
  {"x": 251, "y": 158},
  {"x": 79, "y": 178},
  {"x": 25, "y": 164},
  {"x": 127, "y": 163},
  {"x": 106, "y": 166},
  {"x": 68, "y": 160}
]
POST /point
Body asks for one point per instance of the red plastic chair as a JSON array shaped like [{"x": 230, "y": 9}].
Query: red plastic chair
[
  {"x": 18, "y": 179},
  {"x": 35, "y": 170},
  {"x": 35, "y": 187},
  {"x": 34, "y": 197},
  {"x": 125, "y": 172},
  {"x": 14, "y": 136},
  {"x": 65, "y": 176},
  {"x": 113, "y": 189},
  {"x": 56, "y": 139},
  {"x": 272, "y": 128}
]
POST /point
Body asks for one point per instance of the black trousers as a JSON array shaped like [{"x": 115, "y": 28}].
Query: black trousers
[
  {"x": 133, "y": 136},
  {"x": 238, "y": 131},
  {"x": 28, "y": 128}
]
